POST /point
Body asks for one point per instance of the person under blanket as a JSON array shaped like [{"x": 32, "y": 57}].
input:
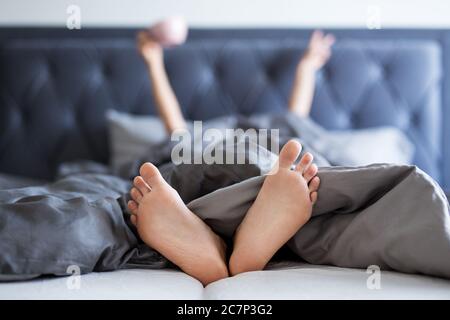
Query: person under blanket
[
  {"x": 282, "y": 207},
  {"x": 392, "y": 216}
]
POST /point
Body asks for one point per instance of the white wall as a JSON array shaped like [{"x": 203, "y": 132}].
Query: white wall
[{"x": 232, "y": 13}]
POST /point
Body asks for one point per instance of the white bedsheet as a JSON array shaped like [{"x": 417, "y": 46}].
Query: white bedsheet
[{"x": 280, "y": 281}]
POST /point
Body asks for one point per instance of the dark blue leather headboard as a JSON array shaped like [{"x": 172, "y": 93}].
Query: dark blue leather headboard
[{"x": 55, "y": 86}]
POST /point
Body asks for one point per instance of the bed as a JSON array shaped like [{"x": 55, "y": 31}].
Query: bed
[
  {"x": 286, "y": 280},
  {"x": 56, "y": 85}
]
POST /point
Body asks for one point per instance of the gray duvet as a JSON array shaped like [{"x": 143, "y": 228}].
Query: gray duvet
[{"x": 393, "y": 216}]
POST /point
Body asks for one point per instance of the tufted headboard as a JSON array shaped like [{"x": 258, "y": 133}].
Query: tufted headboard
[{"x": 55, "y": 86}]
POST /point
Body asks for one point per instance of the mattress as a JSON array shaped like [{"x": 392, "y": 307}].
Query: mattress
[{"x": 285, "y": 280}]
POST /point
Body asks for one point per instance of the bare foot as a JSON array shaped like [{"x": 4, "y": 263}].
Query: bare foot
[
  {"x": 282, "y": 207},
  {"x": 167, "y": 225}
]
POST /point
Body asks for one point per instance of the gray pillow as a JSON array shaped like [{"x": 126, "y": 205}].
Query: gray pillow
[
  {"x": 130, "y": 136},
  {"x": 366, "y": 146}
]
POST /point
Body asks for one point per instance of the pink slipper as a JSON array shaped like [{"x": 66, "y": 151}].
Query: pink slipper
[{"x": 169, "y": 32}]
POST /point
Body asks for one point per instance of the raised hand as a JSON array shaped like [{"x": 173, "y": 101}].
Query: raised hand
[
  {"x": 318, "y": 51},
  {"x": 150, "y": 50}
]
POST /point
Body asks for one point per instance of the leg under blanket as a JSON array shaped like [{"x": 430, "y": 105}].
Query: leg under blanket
[
  {"x": 392, "y": 216},
  {"x": 73, "y": 225}
]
